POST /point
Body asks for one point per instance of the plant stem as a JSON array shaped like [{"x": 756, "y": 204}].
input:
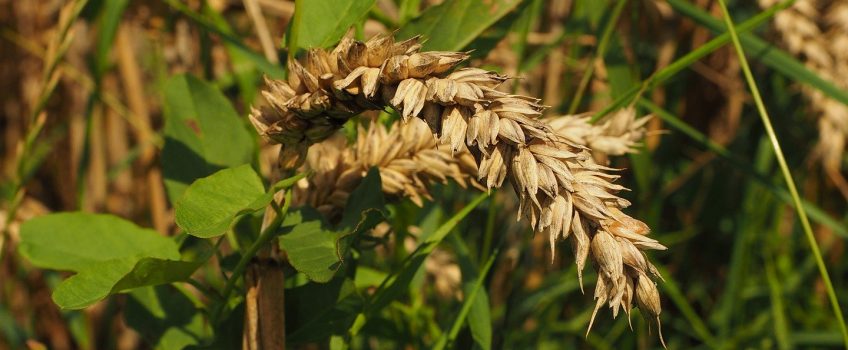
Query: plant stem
[
  {"x": 599, "y": 56},
  {"x": 265, "y": 237},
  {"x": 784, "y": 168}
]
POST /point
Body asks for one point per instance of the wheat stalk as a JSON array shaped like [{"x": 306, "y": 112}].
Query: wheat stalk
[{"x": 562, "y": 192}]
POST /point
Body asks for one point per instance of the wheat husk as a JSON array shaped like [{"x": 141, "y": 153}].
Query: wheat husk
[{"x": 562, "y": 191}]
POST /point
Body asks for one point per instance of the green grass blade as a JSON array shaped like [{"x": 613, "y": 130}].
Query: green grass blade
[
  {"x": 672, "y": 290},
  {"x": 448, "y": 338},
  {"x": 599, "y": 55},
  {"x": 687, "y": 60},
  {"x": 765, "y": 53},
  {"x": 812, "y": 210},
  {"x": 396, "y": 283},
  {"x": 260, "y": 61},
  {"x": 784, "y": 168}
]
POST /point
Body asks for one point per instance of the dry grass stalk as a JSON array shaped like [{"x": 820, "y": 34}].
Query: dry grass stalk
[
  {"x": 562, "y": 192},
  {"x": 817, "y": 32}
]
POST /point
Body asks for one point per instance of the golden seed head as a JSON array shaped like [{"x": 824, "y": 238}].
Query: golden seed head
[{"x": 467, "y": 131}]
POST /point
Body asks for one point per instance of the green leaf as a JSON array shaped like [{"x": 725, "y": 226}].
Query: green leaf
[
  {"x": 74, "y": 241},
  {"x": 109, "y": 254},
  {"x": 166, "y": 318},
  {"x": 472, "y": 291},
  {"x": 454, "y": 24},
  {"x": 323, "y": 23},
  {"x": 310, "y": 244},
  {"x": 203, "y": 134},
  {"x": 227, "y": 36},
  {"x": 318, "y": 250},
  {"x": 210, "y": 205},
  {"x": 100, "y": 280},
  {"x": 764, "y": 52}
]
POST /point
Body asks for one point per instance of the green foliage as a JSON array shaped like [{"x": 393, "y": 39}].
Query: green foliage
[
  {"x": 323, "y": 23},
  {"x": 453, "y": 25},
  {"x": 203, "y": 134},
  {"x": 317, "y": 250},
  {"x": 108, "y": 254},
  {"x": 211, "y": 204}
]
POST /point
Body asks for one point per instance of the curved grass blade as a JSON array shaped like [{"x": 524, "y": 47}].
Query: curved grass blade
[
  {"x": 675, "y": 67},
  {"x": 784, "y": 168},
  {"x": 448, "y": 338},
  {"x": 812, "y": 210}
]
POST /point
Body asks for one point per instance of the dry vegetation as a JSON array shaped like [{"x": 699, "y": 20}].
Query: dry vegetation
[{"x": 87, "y": 96}]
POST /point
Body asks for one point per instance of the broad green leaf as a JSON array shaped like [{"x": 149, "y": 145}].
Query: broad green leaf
[
  {"x": 310, "y": 244},
  {"x": 110, "y": 255},
  {"x": 102, "y": 279},
  {"x": 454, "y": 24},
  {"x": 318, "y": 250},
  {"x": 209, "y": 206},
  {"x": 166, "y": 318},
  {"x": 203, "y": 134},
  {"x": 323, "y": 23},
  {"x": 75, "y": 241}
]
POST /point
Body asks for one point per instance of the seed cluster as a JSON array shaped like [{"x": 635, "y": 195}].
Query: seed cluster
[
  {"x": 407, "y": 157},
  {"x": 562, "y": 192}
]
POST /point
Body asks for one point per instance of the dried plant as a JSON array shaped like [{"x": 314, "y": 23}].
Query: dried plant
[
  {"x": 616, "y": 135},
  {"x": 562, "y": 192},
  {"x": 817, "y": 31},
  {"x": 407, "y": 156}
]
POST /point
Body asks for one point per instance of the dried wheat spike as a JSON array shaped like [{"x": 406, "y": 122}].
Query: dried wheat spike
[
  {"x": 817, "y": 32},
  {"x": 616, "y": 135},
  {"x": 561, "y": 191},
  {"x": 408, "y": 158}
]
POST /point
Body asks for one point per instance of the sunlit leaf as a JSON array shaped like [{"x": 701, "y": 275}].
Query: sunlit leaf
[
  {"x": 109, "y": 254},
  {"x": 209, "y": 206},
  {"x": 454, "y": 24},
  {"x": 203, "y": 134},
  {"x": 322, "y": 23}
]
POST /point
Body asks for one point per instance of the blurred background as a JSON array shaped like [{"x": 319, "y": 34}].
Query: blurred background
[{"x": 82, "y": 118}]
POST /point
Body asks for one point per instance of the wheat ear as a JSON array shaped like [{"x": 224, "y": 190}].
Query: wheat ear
[{"x": 562, "y": 192}]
